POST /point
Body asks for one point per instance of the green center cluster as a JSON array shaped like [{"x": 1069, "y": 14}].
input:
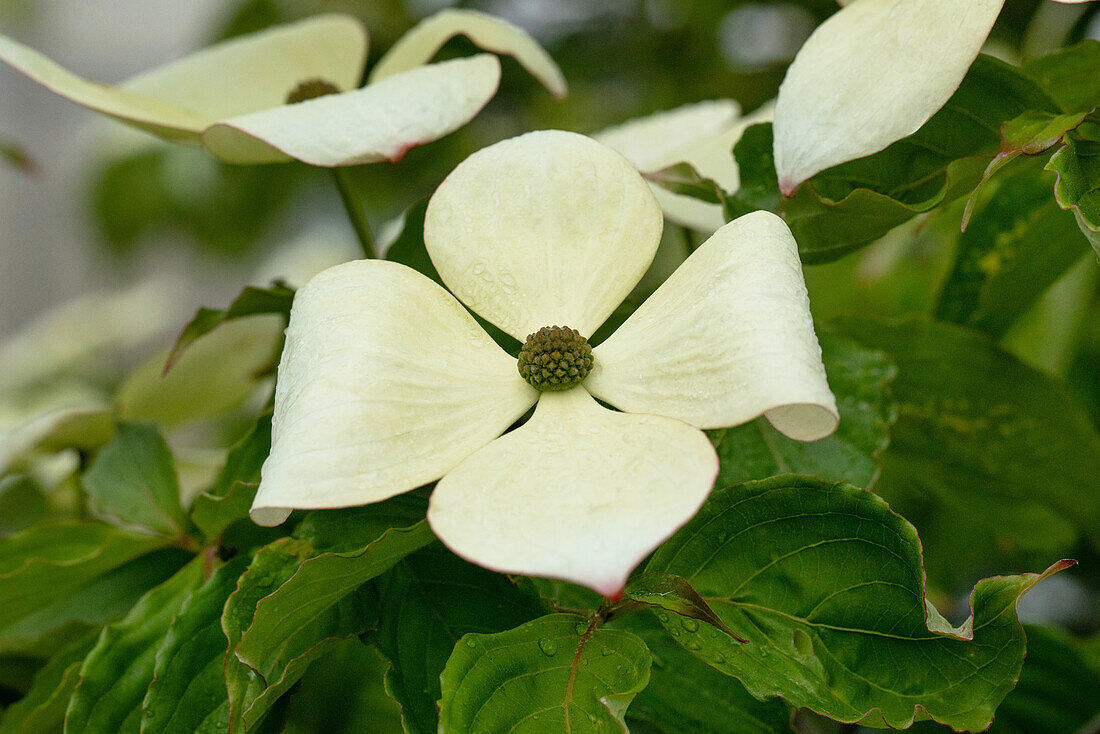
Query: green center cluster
[
  {"x": 555, "y": 358},
  {"x": 311, "y": 89}
]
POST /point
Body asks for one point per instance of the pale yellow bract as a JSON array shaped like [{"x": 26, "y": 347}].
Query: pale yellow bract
[
  {"x": 702, "y": 134},
  {"x": 872, "y": 74},
  {"x": 232, "y": 97},
  {"x": 387, "y": 383}
]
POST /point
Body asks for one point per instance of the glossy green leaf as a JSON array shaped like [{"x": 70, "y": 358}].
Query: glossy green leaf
[
  {"x": 687, "y": 696},
  {"x": 275, "y": 299},
  {"x": 851, "y": 205},
  {"x": 1012, "y": 251},
  {"x": 187, "y": 694},
  {"x": 1048, "y": 698},
  {"x": 215, "y": 374},
  {"x": 674, "y": 594},
  {"x": 564, "y": 596},
  {"x": 295, "y": 601},
  {"x": 343, "y": 693},
  {"x": 1069, "y": 75},
  {"x": 47, "y": 564},
  {"x": 683, "y": 179},
  {"x": 554, "y": 674},
  {"x": 115, "y": 675},
  {"x": 1033, "y": 132},
  {"x": 1077, "y": 164},
  {"x": 42, "y": 709},
  {"x": 989, "y": 450},
  {"x": 826, "y": 583},
  {"x": 230, "y": 497},
  {"x": 133, "y": 481},
  {"x": 1037, "y": 130},
  {"x": 429, "y": 601},
  {"x": 105, "y": 598},
  {"x": 272, "y": 566},
  {"x": 858, "y": 378},
  {"x": 352, "y": 528}
]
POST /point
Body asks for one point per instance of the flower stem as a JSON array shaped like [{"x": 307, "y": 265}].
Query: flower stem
[{"x": 355, "y": 212}]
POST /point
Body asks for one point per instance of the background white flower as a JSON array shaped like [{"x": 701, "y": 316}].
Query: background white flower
[
  {"x": 388, "y": 383},
  {"x": 232, "y": 97},
  {"x": 702, "y": 134},
  {"x": 872, "y": 74}
]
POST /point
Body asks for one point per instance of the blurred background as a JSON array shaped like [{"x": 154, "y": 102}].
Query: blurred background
[{"x": 113, "y": 239}]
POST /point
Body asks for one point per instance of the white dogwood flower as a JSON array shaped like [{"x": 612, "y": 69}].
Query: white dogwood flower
[
  {"x": 872, "y": 74},
  {"x": 290, "y": 92},
  {"x": 388, "y": 383},
  {"x": 702, "y": 134}
]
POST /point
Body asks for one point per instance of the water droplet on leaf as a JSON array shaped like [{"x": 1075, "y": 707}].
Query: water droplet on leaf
[
  {"x": 689, "y": 624},
  {"x": 548, "y": 647}
]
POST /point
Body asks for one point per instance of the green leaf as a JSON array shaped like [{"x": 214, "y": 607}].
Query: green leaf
[
  {"x": 117, "y": 672},
  {"x": 977, "y": 433},
  {"x": 22, "y": 504},
  {"x": 1047, "y": 698},
  {"x": 47, "y": 564},
  {"x": 1014, "y": 249},
  {"x": 272, "y": 566},
  {"x": 1035, "y": 131},
  {"x": 858, "y": 377},
  {"x": 276, "y": 299},
  {"x": 187, "y": 693},
  {"x": 292, "y": 604},
  {"x": 216, "y": 373},
  {"x": 687, "y": 696},
  {"x": 352, "y": 528},
  {"x": 42, "y": 709},
  {"x": 1077, "y": 164},
  {"x": 230, "y": 496},
  {"x": 1031, "y": 133},
  {"x": 759, "y": 187},
  {"x": 133, "y": 481},
  {"x": 683, "y": 179},
  {"x": 106, "y": 598},
  {"x": 1069, "y": 75},
  {"x": 826, "y": 584},
  {"x": 851, "y": 205},
  {"x": 343, "y": 693},
  {"x": 429, "y": 601},
  {"x": 557, "y": 673},
  {"x": 674, "y": 594}
]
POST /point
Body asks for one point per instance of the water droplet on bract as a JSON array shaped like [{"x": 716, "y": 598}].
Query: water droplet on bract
[
  {"x": 695, "y": 645},
  {"x": 470, "y": 642},
  {"x": 689, "y": 624},
  {"x": 719, "y": 658},
  {"x": 548, "y": 647}
]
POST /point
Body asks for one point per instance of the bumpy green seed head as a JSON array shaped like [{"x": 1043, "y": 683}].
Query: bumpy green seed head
[
  {"x": 555, "y": 358},
  {"x": 311, "y": 89}
]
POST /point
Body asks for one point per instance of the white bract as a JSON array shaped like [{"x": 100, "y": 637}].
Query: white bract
[
  {"x": 388, "y": 383},
  {"x": 872, "y": 74},
  {"x": 232, "y": 97},
  {"x": 702, "y": 134}
]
